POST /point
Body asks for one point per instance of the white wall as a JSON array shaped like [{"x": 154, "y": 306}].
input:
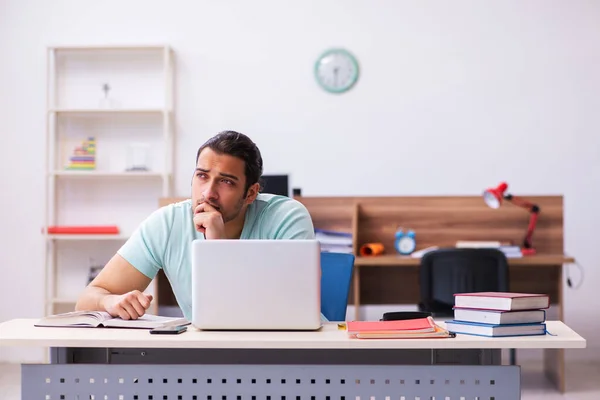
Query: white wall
[{"x": 453, "y": 97}]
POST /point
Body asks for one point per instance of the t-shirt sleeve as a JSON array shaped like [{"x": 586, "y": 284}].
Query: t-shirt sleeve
[
  {"x": 289, "y": 220},
  {"x": 145, "y": 248}
]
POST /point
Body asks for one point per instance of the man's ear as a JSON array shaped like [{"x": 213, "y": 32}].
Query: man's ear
[{"x": 252, "y": 193}]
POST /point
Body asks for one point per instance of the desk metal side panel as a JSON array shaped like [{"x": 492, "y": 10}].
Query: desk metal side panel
[{"x": 269, "y": 382}]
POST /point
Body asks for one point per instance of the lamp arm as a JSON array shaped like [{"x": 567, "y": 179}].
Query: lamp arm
[{"x": 534, "y": 212}]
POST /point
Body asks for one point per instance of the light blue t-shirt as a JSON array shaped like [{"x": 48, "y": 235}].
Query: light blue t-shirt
[{"x": 164, "y": 239}]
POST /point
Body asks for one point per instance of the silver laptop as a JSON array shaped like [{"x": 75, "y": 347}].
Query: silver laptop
[{"x": 256, "y": 284}]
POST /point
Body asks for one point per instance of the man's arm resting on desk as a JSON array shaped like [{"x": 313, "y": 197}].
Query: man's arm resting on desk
[{"x": 118, "y": 290}]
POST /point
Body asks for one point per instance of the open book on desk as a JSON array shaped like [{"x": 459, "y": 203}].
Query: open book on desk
[{"x": 95, "y": 319}]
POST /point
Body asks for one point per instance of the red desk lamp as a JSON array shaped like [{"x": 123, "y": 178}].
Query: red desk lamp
[{"x": 493, "y": 197}]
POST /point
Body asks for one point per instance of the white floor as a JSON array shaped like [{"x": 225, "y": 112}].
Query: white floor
[{"x": 583, "y": 382}]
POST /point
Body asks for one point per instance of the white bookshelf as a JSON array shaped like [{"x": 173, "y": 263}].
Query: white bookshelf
[{"x": 122, "y": 97}]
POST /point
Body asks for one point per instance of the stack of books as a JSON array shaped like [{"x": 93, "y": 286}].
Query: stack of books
[
  {"x": 334, "y": 241},
  {"x": 84, "y": 156},
  {"x": 499, "y": 314},
  {"x": 418, "y": 328}
]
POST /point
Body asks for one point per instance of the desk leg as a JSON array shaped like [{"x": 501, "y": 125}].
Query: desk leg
[
  {"x": 356, "y": 281},
  {"x": 554, "y": 359}
]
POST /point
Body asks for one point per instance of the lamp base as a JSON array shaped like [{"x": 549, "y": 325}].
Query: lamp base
[{"x": 527, "y": 252}]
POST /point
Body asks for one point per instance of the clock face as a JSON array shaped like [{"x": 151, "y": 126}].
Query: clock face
[
  {"x": 336, "y": 70},
  {"x": 406, "y": 245}
]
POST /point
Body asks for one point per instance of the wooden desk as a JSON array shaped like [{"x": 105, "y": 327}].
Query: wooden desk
[
  {"x": 442, "y": 221},
  {"x": 131, "y": 363}
]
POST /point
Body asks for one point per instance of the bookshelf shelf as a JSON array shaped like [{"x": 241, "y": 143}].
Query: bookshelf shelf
[
  {"x": 109, "y": 111},
  {"x": 101, "y": 174},
  {"x": 109, "y": 48}
]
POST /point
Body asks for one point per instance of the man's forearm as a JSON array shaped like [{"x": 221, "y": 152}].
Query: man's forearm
[{"x": 92, "y": 299}]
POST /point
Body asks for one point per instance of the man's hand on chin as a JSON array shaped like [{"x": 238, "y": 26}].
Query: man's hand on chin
[{"x": 209, "y": 221}]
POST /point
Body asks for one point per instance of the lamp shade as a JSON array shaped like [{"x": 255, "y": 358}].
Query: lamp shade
[{"x": 493, "y": 196}]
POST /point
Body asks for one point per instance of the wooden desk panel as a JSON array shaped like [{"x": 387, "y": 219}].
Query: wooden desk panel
[
  {"x": 442, "y": 220},
  {"x": 386, "y": 285}
]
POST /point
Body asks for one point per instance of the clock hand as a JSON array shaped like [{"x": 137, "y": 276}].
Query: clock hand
[{"x": 335, "y": 73}]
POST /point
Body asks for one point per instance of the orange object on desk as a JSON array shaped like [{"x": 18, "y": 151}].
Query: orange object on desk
[{"x": 371, "y": 249}]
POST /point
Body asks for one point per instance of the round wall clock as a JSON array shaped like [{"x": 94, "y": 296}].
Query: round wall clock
[{"x": 336, "y": 70}]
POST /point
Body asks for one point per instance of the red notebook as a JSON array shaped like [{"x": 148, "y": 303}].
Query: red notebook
[
  {"x": 503, "y": 301},
  {"x": 404, "y": 329},
  {"x": 411, "y": 325}
]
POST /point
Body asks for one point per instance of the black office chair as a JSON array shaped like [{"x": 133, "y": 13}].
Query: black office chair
[{"x": 445, "y": 272}]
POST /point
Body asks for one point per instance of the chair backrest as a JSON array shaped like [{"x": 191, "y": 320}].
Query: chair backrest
[
  {"x": 445, "y": 272},
  {"x": 336, "y": 275}
]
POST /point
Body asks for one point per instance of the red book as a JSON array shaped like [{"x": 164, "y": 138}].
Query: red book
[
  {"x": 407, "y": 325},
  {"x": 503, "y": 301},
  {"x": 419, "y": 328},
  {"x": 84, "y": 230}
]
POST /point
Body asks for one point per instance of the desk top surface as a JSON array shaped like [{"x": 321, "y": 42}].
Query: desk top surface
[{"x": 21, "y": 332}]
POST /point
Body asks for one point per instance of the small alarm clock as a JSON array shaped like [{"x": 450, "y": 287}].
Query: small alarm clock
[{"x": 405, "y": 242}]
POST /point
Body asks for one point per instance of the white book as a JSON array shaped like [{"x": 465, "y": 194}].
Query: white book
[
  {"x": 94, "y": 319},
  {"x": 504, "y": 301},
  {"x": 478, "y": 244},
  {"x": 499, "y": 317},
  {"x": 472, "y": 328}
]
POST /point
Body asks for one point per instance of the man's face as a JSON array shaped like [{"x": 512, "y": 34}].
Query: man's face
[{"x": 219, "y": 180}]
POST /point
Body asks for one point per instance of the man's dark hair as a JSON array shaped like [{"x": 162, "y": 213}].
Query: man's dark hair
[{"x": 237, "y": 145}]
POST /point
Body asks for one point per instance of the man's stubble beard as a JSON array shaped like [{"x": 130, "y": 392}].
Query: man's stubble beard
[{"x": 233, "y": 215}]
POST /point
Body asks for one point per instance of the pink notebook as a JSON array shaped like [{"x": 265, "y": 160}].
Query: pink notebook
[
  {"x": 408, "y": 325},
  {"x": 503, "y": 301}
]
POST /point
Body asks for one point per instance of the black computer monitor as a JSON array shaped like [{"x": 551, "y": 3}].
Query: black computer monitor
[{"x": 275, "y": 184}]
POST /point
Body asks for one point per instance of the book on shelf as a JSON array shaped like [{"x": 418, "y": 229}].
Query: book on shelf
[
  {"x": 333, "y": 248},
  {"x": 495, "y": 317},
  {"x": 479, "y": 329},
  {"x": 509, "y": 249},
  {"x": 480, "y": 244},
  {"x": 418, "y": 328},
  {"x": 95, "y": 319},
  {"x": 84, "y": 230},
  {"x": 502, "y": 301},
  {"x": 334, "y": 241}
]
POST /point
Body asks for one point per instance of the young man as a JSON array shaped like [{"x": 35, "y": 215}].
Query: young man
[{"x": 225, "y": 204}]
